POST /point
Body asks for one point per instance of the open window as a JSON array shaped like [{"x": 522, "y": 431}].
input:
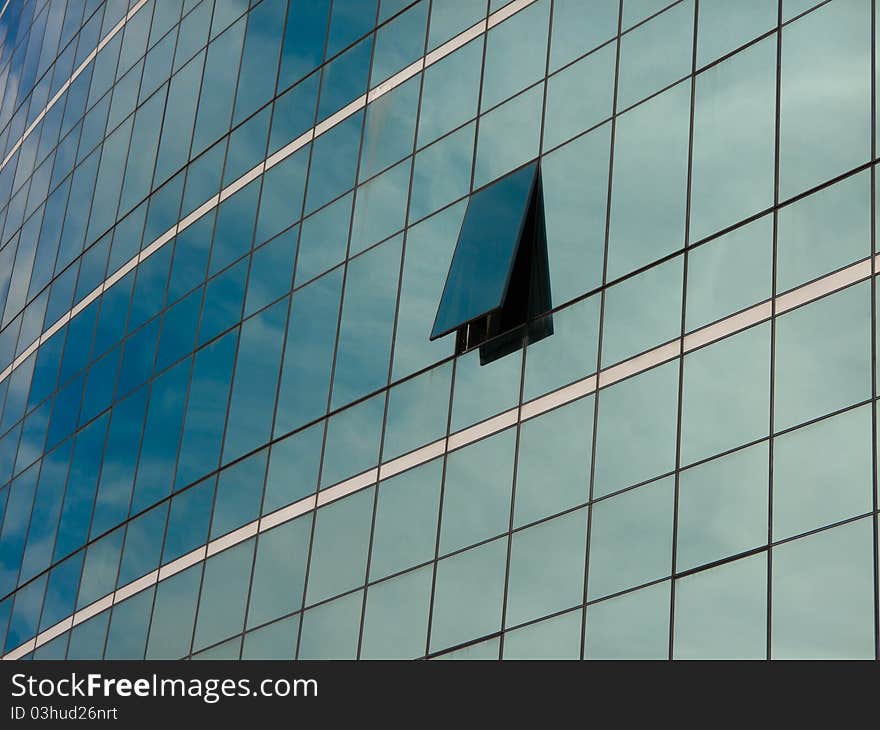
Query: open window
[{"x": 498, "y": 285}]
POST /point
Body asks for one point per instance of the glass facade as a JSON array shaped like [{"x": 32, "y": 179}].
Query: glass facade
[{"x": 225, "y": 229}]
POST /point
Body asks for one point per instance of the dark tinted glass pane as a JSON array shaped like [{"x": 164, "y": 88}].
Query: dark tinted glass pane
[{"x": 484, "y": 255}]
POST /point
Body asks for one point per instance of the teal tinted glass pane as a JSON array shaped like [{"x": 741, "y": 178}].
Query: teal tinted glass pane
[
  {"x": 729, "y": 273},
  {"x": 143, "y": 544},
  {"x": 88, "y": 638},
  {"x": 353, "y": 439},
  {"x": 656, "y": 54},
  {"x": 484, "y": 255},
  {"x": 227, "y": 650},
  {"x": 822, "y": 595},
  {"x": 632, "y": 626},
  {"x": 726, "y": 394},
  {"x": 279, "y": 571},
  {"x": 344, "y": 78},
  {"x": 429, "y": 247},
  {"x": 366, "y": 325},
  {"x": 468, "y": 594},
  {"x": 405, "y": 530},
  {"x": 811, "y": 490},
  {"x": 516, "y": 53},
  {"x": 188, "y": 520},
  {"x": 293, "y": 468},
  {"x": 418, "y": 411},
  {"x": 723, "y": 507},
  {"x": 449, "y": 17},
  {"x": 271, "y": 271},
  {"x": 293, "y": 113},
  {"x": 305, "y": 34},
  {"x": 389, "y": 128},
  {"x": 580, "y": 96},
  {"x": 643, "y": 311},
  {"x": 334, "y": 162},
  {"x": 399, "y": 42},
  {"x": 553, "y": 466},
  {"x": 381, "y": 207},
  {"x": 648, "y": 211},
  {"x": 450, "y": 92},
  {"x": 574, "y": 179},
  {"x": 239, "y": 489},
  {"x": 554, "y": 638},
  {"x": 631, "y": 541},
  {"x": 722, "y": 613},
  {"x": 100, "y": 568},
  {"x": 476, "y": 502},
  {"x": 734, "y": 132},
  {"x": 822, "y": 357},
  {"x": 330, "y": 631},
  {"x": 574, "y": 32},
  {"x": 323, "y": 240},
  {"x": 308, "y": 354},
  {"x": 508, "y": 135},
  {"x": 481, "y": 651},
  {"x": 340, "y": 546},
  {"x": 129, "y": 621},
  {"x": 25, "y": 613},
  {"x": 824, "y": 126},
  {"x": 547, "y": 568},
  {"x": 570, "y": 354},
  {"x": 723, "y": 26},
  {"x": 396, "y": 617},
  {"x": 171, "y": 627},
  {"x": 282, "y": 192},
  {"x": 824, "y": 231},
  {"x": 275, "y": 641},
  {"x": 442, "y": 172},
  {"x": 631, "y": 450},
  {"x": 224, "y": 595},
  {"x": 256, "y": 381}
]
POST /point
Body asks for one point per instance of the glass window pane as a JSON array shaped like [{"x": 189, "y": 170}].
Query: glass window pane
[
  {"x": 340, "y": 546},
  {"x": 643, "y": 311},
  {"x": 575, "y": 183},
  {"x": 631, "y": 541},
  {"x": 554, "y": 638},
  {"x": 279, "y": 571},
  {"x": 574, "y": 32},
  {"x": 353, "y": 440},
  {"x": 442, "y": 173},
  {"x": 171, "y": 627},
  {"x": 381, "y": 207},
  {"x": 468, "y": 595},
  {"x": 648, "y": 211},
  {"x": 508, "y": 135},
  {"x": 726, "y": 394},
  {"x": 224, "y": 595},
  {"x": 580, "y": 96},
  {"x": 730, "y": 273},
  {"x": 553, "y": 466},
  {"x": 323, "y": 241},
  {"x": 476, "y": 496},
  {"x": 396, "y": 617},
  {"x": 636, "y": 429},
  {"x": 656, "y": 54},
  {"x": 823, "y": 595},
  {"x": 824, "y": 125},
  {"x": 418, "y": 410},
  {"x": 723, "y": 507},
  {"x": 734, "y": 132},
  {"x": 632, "y": 626},
  {"x": 810, "y": 489},
  {"x": 516, "y": 53},
  {"x": 722, "y": 613},
  {"x": 330, "y": 631},
  {"x": 822, "y": 356},
  {"x": 275, "y": 641},
  {"x": 389, "y": 128},
  {"x": 450, "y": 92},
  {"x": 824, "y": 231},
  {"x": 293, "y": 468},
  {"x": 405, "y": 531},
  {"x": 723, "y": 26},
  {"x": 129, "y": 621},
  {"x": 547, "y": 568}
]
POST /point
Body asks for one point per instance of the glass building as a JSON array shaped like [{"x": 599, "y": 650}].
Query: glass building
[{"x": 646, "y": 424}]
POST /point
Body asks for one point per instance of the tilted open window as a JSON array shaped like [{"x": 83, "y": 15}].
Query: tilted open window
[{"x": 498, "y": 283}]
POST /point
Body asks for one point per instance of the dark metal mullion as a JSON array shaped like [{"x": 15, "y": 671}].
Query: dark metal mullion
[
  {"x": 873, "y": 334},
  {"x": 683, "y": 327},
  {"x": 412, "y": 163},
  {"x": 591, "y": 478}
]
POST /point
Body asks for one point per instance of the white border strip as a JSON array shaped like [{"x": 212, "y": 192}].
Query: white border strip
[
  {"x": 73, "y": 77},
  {"x": 352, "y": 108},
  {"x": 567, "y": 394}
]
